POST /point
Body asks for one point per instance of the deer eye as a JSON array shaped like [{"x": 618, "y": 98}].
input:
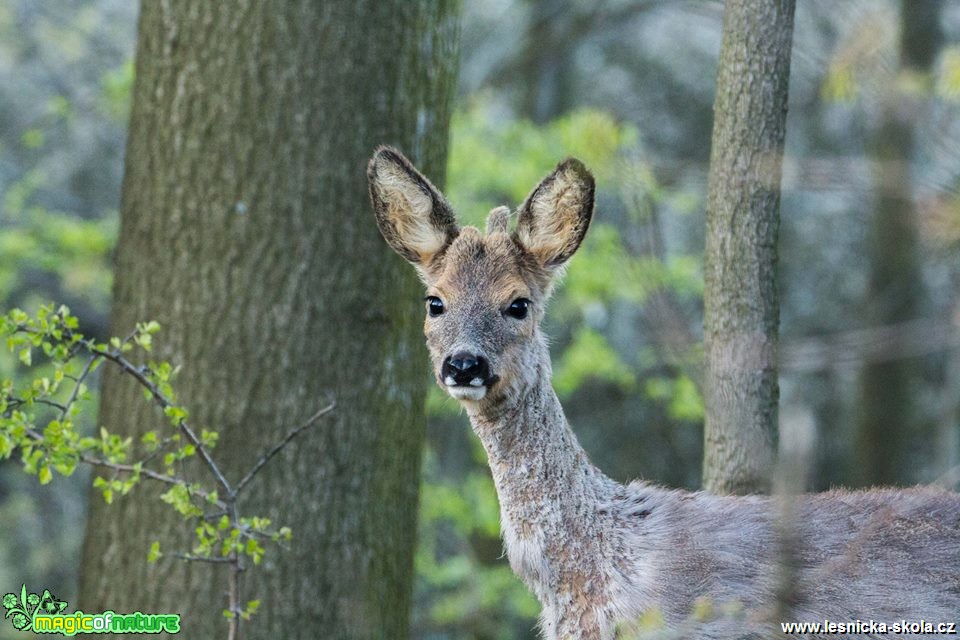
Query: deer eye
[
  {"x": 434, "y": 306},
  {"x": 518, "y": 308}
]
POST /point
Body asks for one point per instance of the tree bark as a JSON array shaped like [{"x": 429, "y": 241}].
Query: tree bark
[
  {"x": 246, "y": 231},
  {"x": 741, "y": 313},
  {"x": 887, "y": 417}
]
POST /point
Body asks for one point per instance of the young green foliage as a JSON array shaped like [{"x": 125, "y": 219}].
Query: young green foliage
[{"x": 38, "y": 417}]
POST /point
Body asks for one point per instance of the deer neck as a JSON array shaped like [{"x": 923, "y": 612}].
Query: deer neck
[
  {"x": 526, "y": 436},
  {"x": 549, "y": 491}
]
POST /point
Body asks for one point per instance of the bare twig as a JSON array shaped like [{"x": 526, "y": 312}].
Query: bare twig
[
  {"x": 275, "y": 449},
  {"x": 153, "y": 475},
  {"x": 78, "y": 382},
  {"x": 129, "y": 468},
  {"x": 233, "y": 596},
  {"x": 13, "y": 403},
  {"x": 194, "y": 558}
]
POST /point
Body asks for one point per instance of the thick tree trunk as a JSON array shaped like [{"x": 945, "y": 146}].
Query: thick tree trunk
[
  {"x": 247, "y": 233},
  {"x": 741, "y": 303},
  {"x": 887, "y": 416}
]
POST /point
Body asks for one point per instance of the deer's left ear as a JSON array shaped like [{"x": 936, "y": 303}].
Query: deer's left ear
[
  {"x": 413, "y": 216},
  {"x": 555, "y": 216}
]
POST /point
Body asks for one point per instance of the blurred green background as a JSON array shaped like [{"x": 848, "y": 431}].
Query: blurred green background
[{"x": 628, "y": 88}]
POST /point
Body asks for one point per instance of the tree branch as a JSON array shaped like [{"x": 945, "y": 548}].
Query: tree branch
[
  {"x": 76, "y": 386},
  {"x": 117, "y": 358},
  {"x": 275, "y": 449},
  {"x": 194, "y": 558}
]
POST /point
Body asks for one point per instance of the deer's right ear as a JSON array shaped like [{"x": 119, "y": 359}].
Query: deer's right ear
[{"x": 413, "y": 216}]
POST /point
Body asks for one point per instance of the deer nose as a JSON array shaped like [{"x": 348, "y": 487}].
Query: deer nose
[{"x": 465, "y": 369}]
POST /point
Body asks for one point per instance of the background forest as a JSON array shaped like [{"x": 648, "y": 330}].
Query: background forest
[{"x": 869, "y": 290}]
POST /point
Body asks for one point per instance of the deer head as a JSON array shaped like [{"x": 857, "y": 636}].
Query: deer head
[{"x": 486, "y": 292}]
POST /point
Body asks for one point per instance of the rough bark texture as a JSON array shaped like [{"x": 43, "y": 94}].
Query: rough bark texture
[
  {"x": 247, "y": 233},
  {"x": 741, "y": 302},
  {"x": 887, "y": 419}
]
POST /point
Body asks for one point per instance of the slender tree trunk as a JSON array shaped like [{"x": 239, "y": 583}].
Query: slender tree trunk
[
  {"x": 741, "y": 303},
  {"x": 247, "y": 233},
  {"x": 887, "y": 418}
]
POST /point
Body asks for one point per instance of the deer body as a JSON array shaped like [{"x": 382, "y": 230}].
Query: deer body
[{"x": 598, "y": 554}]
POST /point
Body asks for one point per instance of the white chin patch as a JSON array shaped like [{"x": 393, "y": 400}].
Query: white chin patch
[{"x": 467, "y": 393}]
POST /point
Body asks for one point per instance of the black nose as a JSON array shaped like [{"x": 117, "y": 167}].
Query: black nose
[{"x": 463, "y": 368}]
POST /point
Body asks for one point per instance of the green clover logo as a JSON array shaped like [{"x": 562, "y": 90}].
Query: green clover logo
[{"x": 23, "y": 610}]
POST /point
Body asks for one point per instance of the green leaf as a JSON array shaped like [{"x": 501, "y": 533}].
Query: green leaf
[
  {"x": 250, "y": 609},
  {"x": 254, "y": 550},
  {"x": 208, "y": 438},
  {"x": 154, "y": 554},
  {"x": 178, "y": 497},
  {"x": 150, "y": 441},
  {"x": 176, "y": 414},
  {"x": 145, "y": 341}
]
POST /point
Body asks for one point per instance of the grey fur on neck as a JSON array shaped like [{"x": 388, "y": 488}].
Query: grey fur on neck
[
  {"x": 600, "y": 555},
  {"x": 550, "y": 495}
]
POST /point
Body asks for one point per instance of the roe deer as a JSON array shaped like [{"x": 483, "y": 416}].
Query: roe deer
[{"x": 599, "y": 554}]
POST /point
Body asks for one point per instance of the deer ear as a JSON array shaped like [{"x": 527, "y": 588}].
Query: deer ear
[
  {"x": 555, "y": 216},
  {"x": 412, "y": 214}
]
